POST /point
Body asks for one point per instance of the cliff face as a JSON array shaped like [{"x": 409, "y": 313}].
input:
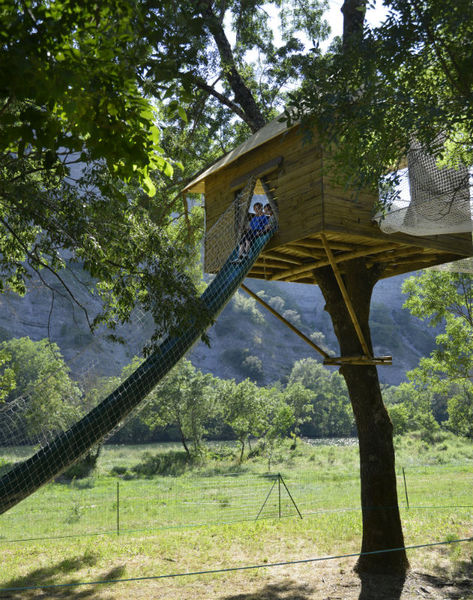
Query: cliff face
[{"x": 246, "y": 340}]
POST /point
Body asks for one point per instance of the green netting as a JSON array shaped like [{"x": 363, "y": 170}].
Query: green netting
[{"x": 61, "y": 452}]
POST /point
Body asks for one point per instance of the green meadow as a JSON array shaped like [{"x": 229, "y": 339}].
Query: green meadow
[{"x": 145, "y": 512}]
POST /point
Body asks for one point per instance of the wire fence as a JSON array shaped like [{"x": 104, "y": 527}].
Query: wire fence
[{"x": 116, "y": 507}]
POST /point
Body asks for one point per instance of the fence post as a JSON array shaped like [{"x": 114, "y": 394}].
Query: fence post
[
  {"x": 118, "y": 508},
  {"x": 279, "y": 494},
  {"x": 405, "y": 487},
  {"x": 281, "y": 480}
]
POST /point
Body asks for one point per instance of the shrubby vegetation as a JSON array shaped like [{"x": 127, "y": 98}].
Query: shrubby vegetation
[
  {"x": 191, "y": 407},
  {"x": 37, "y": 372},
  {"x": 440, "y": 390}
]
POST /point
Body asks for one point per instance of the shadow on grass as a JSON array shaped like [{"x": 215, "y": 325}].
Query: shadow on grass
[
  {"x": 289, "y": 590},
  {"x": 455, "y": 586},
  {"x": 60, "y": 573},
  {"x": 381, "y": 587}
]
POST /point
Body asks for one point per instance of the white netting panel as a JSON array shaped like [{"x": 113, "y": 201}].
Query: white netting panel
[{"x": 427, "y": 199}]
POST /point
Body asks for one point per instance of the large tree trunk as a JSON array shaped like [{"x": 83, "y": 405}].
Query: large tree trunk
[{"x": 381, "y": 520}]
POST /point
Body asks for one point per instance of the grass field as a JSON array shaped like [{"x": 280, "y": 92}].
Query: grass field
[{"x": 204, "y": 518}]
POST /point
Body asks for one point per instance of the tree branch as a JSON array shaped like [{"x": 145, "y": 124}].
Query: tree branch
[
  {"x": 353, "y": 21},
  {"x": 36, "y": 260},
  {"x": 454, "y": 81},
  {"x": 223, "y": 99},
  {"x": 242, "y": 94}
]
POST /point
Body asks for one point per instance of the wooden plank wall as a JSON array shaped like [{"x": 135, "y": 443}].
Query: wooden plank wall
[{"x": 296, "y": 185}]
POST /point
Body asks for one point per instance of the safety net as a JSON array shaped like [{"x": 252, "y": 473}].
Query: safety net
[{"x": 60, "y": 446}]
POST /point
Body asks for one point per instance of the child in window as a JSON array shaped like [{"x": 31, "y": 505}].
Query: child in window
[{"x": 257, "y": 227}]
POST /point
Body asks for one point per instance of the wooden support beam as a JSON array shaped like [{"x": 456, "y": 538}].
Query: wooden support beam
[
  {"x": 365, "y": 251},
  {"x": 285, "y": 321},
  {"x": 345, "y": 295},
  {"x": 359, "y": 360},
  {"x": 417, "y": 262},
  {"x": 271, "y": 264},
  {"x": 313, "y": 243},
  {"x": 281, "y": 257},
  {"x": 395, "y": 255},
  {"x": 260, "y": 271},
  {"x": 307, "y": 252}
]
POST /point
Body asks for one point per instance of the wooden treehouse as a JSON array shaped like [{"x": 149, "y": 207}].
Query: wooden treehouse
[{"x": 320, "y": 223}]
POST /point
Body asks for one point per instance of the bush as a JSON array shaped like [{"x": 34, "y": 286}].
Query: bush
[
  {"x": 253, "y": 367},
  {"x": 234, "y": 357},
  {"x": 82, "y": 468},
  {"x": 257, "y": 450},
  {"x": 169, "y": 463},
  {"x": 119, "y": 470},
  {"x": 247, "y": 306}
]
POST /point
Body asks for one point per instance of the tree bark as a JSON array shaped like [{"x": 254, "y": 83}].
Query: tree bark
[
  {"x": 353, "y": 21},
  {"x": 243, "y": 95},
  {"x": 242, "y": 452},
  {"x": 183, "y": 440},
  {"x": 382, "y": 527}
]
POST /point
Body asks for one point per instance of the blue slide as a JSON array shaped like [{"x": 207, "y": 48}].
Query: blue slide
[{"x": 50, "y": 461}]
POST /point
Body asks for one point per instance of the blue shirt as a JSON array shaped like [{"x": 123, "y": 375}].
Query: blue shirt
[{"x": 259, "y": 222}]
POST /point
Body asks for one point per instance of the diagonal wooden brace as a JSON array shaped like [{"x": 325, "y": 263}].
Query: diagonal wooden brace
[
  {"x": 286, "y": 322},
  {"x": 345, "y": 295}
]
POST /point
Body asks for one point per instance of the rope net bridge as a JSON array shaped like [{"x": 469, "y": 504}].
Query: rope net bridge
[{"x": 68, "y": 446}]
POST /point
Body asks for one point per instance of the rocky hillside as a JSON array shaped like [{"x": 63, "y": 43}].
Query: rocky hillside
[{"x": 246, "y": 340}]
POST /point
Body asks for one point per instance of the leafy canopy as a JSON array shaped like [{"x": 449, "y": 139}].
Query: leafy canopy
[
  {"x": 447, "y": 298},
  {"x": 78, "y": 138},
  {"x": 409, "y": 77}
]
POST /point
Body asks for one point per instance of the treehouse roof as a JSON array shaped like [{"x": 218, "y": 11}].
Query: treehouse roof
[{"x": 268, "y": 132}]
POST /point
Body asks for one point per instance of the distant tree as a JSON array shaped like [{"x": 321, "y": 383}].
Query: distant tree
[
  {"x": 243, "y": 409},
  {"x": 186, "y": 399},
  {"x": 253, "y": 366},
  {"x": 301, "y": 400},
  {"x": 460, "y": 412},
  {"x": 247, "y": 306},
  {"x": 7, "y": 377},
  {"x": 410, "y": 407},
  {"x": 446, "y": 297},
  {"x": 42, "y": 377},
  {"x": 331, "y": 415},
  {"x": 279, "y": 420}
]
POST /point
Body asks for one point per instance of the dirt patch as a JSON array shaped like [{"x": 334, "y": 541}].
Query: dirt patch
[{"x": 304, "y": 582}]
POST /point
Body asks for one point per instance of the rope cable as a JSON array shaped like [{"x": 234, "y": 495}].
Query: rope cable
[{"x": 233, "y": 569}]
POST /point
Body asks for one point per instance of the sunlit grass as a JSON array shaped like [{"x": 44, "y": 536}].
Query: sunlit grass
[{"x": 202, "y": 520}]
